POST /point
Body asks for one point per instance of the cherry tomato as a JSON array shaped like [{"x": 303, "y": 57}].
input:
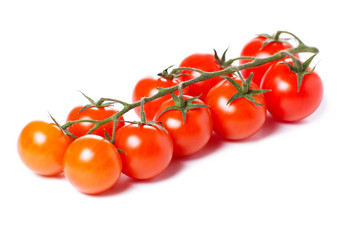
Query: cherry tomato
[
  {"x": 191, "y": 136},
  {"x": 92, "y": 164},
  {"x": 253, "y": 49},
  {"x": 148, "y": 150},
  {"x": 240, "y": 118},
  {"x": 284, "y": 101},
  {"x": 147, "y": 87},
  {"x": 205, "y": 62},
  {"x": 41, "y": 147},
  {"x": 92, "y": 113}
]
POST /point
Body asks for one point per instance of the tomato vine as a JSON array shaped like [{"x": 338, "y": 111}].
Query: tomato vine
[{"x": 301, "y": 48}]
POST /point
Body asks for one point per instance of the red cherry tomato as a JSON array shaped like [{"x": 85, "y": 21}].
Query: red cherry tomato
[
  {"x": 147, "y": 87},
  {"x": 253, "y": 49},
  {"x": 41, "y": 147},
  {"x": 191, "y": 136},
  {"x": 148, "y": 150},
  {"x": 92, "y": 164},
  {"x": 205, "y": 62},
  {"x": 92, "y": 113},
  {"x": 239, "y": 119},
  {"x": 284, "y": 101}
]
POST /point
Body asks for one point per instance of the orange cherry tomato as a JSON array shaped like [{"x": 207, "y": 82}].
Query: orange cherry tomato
[
  {"x": 92, "y": 164},
  {"x": 41, "y": 147}
]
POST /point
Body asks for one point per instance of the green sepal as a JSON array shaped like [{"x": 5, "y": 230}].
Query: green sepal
[
  {"x": 65, "y": 131},
  {"x": 151, "y": 123},
  {"x": 235, "y": 84},
  {"x": 300, "y": 69},
  {"x": 175, "y": 98},
  {"x": 87, "y": 106},
  {"x": 99, "y": 103},
  {"x": 272, "y": 38},
  {"x": 107, "y": 136},
  {"x": 249, "y": 96},
  {"x": 183, "y": 105},
  {"x": 121, "y": 151},
  {"x": 156, "y": 124},
  {"x": 88, "y": 98},
  {"x": 252, "y": 99},
  {"x": 244, "y": 91},
  {"x": 221, "y": 61}
]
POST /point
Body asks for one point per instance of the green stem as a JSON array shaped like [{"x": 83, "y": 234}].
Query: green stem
[
  {"x": 203, "y": 77},
  {"x": 181, "y": 96},
  {"x": 142, "y": 113},
  {"x": 277, "y": 36}
]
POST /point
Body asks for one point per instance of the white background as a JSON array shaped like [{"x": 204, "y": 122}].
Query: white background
[{"x": 290, "y": 181}]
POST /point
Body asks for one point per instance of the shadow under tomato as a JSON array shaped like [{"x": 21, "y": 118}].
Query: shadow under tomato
[
  {"x": 59, "y": 176},
  {"x": 271, "y": 125},
  {"x": 173, "y": 168},
  {"x": 214, "y": 144},
  {"x": 123, "y": 184}
]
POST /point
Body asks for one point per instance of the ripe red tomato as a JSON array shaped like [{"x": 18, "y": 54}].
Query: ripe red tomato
[
  {"x": 284, "y": 101},
  {"x": 148, "y": 150},
  {"x": 92, "y": 113},
  {"x": 239, "y": 119},
  {"x": 147, "y": 87},
  {"x": 92, "y": 164},
  {"x": 205, "y": 62},
  {"x": 41, "y": 147},
  {"x": 191, "y": 136},
  {"x": 253, "y": 49}
]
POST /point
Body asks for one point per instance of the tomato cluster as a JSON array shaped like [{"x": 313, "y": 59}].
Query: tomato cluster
[{"x": 96, "y": 145}]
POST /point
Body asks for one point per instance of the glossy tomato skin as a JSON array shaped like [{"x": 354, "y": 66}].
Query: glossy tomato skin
[
  {"x": 92, "y": 164},
  {"x": 148, "y": 150},
  {"x": 191, "y": 136},
  {"x": 241, "y": 118},
  {"x": 92, "y": 113},
  {"x": 253, "y": 49},
  {"x": 205, "y": 62},
  {"x": 147, "y": 87},
  {"x": 284, "y": 101},
  {"x": 41, "y": 147}
]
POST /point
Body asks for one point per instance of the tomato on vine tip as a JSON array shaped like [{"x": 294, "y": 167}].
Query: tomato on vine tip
[
  {"x": 286, "y": 102},
  {"x": 41, "y": 147}
]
